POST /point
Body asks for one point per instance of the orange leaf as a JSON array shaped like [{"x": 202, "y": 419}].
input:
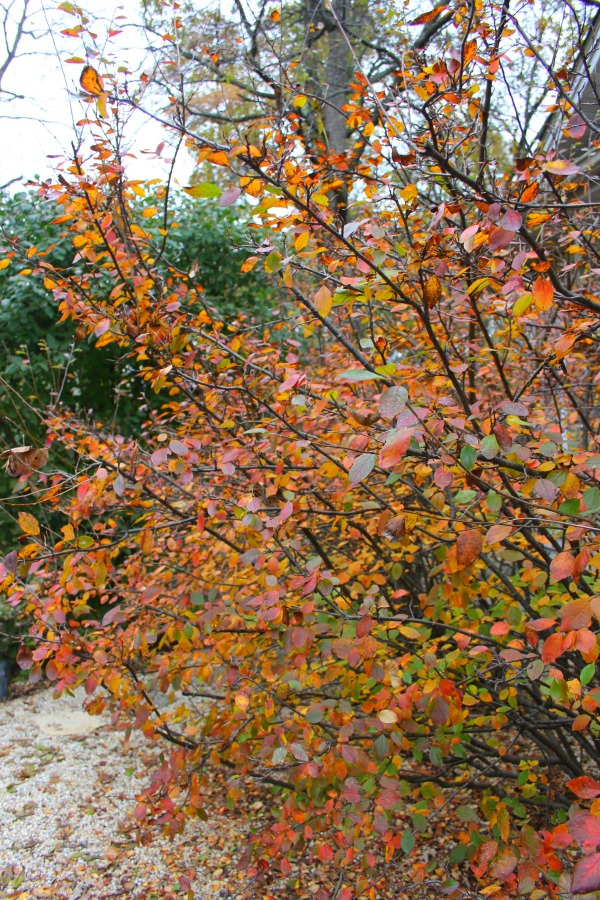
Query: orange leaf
[
  {"x": 543, "y": 293},
  {"x": 468, "y": 547},
  {"x": 91, "y": 81},
  {"x": 552, "y": 648},
  {"x": 576, "y": 614},
  {"x": 432, "y": 291},
  {"x": 562, "y": 565},
  {"x": 395, "y": 448}
]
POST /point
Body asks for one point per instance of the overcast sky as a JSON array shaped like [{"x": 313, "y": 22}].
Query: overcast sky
[{"x": 41, "y": 122}]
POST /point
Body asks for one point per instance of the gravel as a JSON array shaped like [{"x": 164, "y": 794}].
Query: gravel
[{"x": 68, "y": 783}]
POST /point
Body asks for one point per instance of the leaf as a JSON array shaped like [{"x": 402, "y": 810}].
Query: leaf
[
  {"x": 279, "y": 755},
  {"x": 24, "y": 460},
  {"x": 530, "y": 192},
  {"x": 395, "y": 448},
  {"x": 229, "y": 196},
  {"x": 468, "y": 547},
  {"x": 576, "y": 614},
  {"x": 362, "y": 467},
  {"x": 408, "y": 841},
  {"x": 543, "y": 293},
  {"x": 586, "y": 875},
  {"x": 91, "y": 81},
  {"x": 443, "y": 477},
  {"x": 203, "y": 191},
  {"x": 354, "y": 375},
  {"x": 552, "y": 648},
  {"x": 468, "y": 457},
  {"x": 273, "y": 262},
  {"x": 392, "y": 401},
  {"x": 438, "y": 710},
  {"x": 387, "y": 716},
  {"x": 584, "y": 828},
  {"x": 575, "y": 127},
  {"x": 562, "y": 565},
  {"x": 561, "y": 167},
  {"x": 395, "y": 529},
  {"x": 498, "y": 533},
  {"x": 432, "y": 291},
  {"x": 511, "y": 220},
  {"x": 499, "y": 237},
  {"x": 323, "y": 301},
  {"x": 584, "y": 787},
  {"x": 28, "y": 523},
  {"x": 428, "y": 16},
  {"x": 522, "y": 304}
]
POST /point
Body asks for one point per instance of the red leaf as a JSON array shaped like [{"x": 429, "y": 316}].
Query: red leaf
[
  {"x": 575, "y": 127},
  {"x": 584, "y": 828},
  {"x": 511, "y": 220},
  {"x": 586, "y": 875},
  {"x": 499, "y": 237},
  {"x": 562, "y": 565},
  {"x": 468, "y": 547},
  {"x": 443, "y": 478},
  {"x": 584, "y": 787}
]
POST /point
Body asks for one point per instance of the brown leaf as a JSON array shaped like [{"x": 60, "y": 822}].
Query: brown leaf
[
  {"x": 24, "y": 460},
  {"x": 395, "y": 529}
]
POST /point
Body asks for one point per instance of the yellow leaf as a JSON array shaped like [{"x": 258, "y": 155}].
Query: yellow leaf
[
  {"x": 101, "y": 104},
  {"x": 409, "y": 193},
  {"x": 150, "y": 212},
  {"x": 300, "y": 242},
  {"x": 4, "y": 263},
  {"x": 522, "y": 304},
  {"x": 323, "y": 301},
  {"x": 477, "y": 285},
  {"x": 28, "y": 523}
]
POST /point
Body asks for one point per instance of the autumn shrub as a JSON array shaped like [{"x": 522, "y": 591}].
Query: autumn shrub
[{"x": 365, "y": 534}]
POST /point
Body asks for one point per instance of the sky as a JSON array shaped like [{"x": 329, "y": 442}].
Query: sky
[{"x": 38, "y": 126}]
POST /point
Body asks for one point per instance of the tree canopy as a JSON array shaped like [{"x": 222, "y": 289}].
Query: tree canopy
[{"x": 365, "y": 533}]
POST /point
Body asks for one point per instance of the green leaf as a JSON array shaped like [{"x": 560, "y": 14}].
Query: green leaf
[
  {"x": 587, "y": 673},
  {"x": 358, "y": 375},
  {"x": 489, "y": 446},
  {"x": 468, "y": 457},
  {"x": 465, "y": 497},
  {"x": 362, "y": 466},
  {"x": 591, "y": 498},
  {"x": 273, "y": 262},
  {"x": 569, "y": 507},
  {"x": 494, "y": 501},
  {"x": 203, "y": 191},
  {"x": 279, "y": 755},
  {"x": 408, "y": 841}
]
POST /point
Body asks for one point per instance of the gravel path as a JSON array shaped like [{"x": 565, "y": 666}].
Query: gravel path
[{"x": 67, "y": 787}]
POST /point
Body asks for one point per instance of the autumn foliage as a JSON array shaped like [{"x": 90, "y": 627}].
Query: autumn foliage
[{"x": 360, "y": 542}]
